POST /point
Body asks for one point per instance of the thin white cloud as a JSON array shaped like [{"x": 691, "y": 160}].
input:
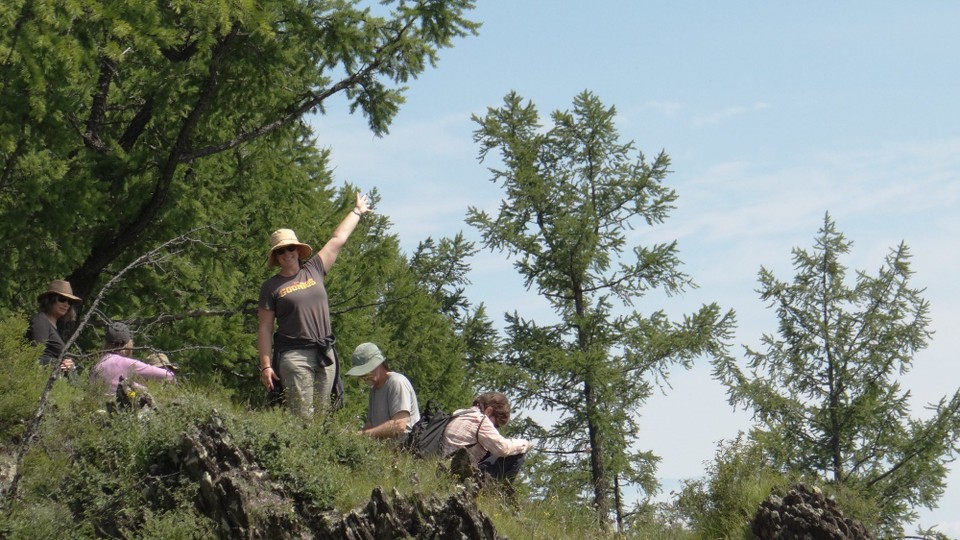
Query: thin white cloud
[
  {"x": 950, "y": 528},
  {"x": 718, "y": 117},
  {"x": 355, "y": 146},
  {"x": 426, "y": 170},
  {"x": 665, "y": 108},
  {"x": 901, "y": 184}
]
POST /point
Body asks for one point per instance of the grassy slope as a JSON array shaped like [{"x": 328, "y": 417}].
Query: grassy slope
[{"x": 85, "y": 473}]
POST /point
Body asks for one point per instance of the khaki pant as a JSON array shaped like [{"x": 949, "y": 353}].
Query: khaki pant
[{"x": 305, "y": 380}]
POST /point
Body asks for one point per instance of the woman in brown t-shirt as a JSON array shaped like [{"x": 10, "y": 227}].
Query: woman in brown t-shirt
[{"x": 296, "y": 301}]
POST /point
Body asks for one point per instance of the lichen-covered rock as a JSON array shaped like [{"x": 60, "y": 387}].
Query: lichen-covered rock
[
  {"x": 241, "y": 498},
  {"x": 804, "y": 514},
  {"x": 131, "y": 396}
]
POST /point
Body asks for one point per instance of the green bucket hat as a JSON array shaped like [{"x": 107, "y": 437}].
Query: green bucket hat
[{"x": 366, "y": 357}]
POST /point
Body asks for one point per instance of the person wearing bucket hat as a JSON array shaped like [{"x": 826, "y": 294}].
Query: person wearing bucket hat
[
  {"x": 159, "y": 359},
  {"x": 392, "y": 409},
  {"x": 116, "y": 364},
  {"x": 299, "y": 356},
  {"x": 55, "y": 307}
]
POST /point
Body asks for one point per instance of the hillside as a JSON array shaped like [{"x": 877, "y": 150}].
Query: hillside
[{"x": 199, "y": 466}]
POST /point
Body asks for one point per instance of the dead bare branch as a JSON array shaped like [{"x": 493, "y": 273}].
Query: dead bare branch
[{"x": 151, "y": 257}]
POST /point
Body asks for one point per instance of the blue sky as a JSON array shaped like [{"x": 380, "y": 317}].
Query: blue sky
[{"x": 772, "y": 114}]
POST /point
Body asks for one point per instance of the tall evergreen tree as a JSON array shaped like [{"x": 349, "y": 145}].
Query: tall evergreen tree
[
  {"x": 826, "y": 389},
  {"x": 115, "y": 113},
  {"x": 573, "y": 193},
  {"x": 125, "y": 124}
]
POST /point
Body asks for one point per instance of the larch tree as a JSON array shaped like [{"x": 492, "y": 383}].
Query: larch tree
[
  {"x": 118, "y": 116},
  {"x": 825, "y": 389},
  {"x": 573, "y": 195},
  {"x": 124, "y": 124}
]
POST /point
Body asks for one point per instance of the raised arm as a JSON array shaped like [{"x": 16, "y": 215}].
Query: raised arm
[{"x": 328, "y": 253}]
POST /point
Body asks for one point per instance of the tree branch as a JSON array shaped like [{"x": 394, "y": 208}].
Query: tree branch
[
  {"x": 98, "y": 107},
  {"x": 30, "y": 432},
  {"x": 111, "y": 245},
  {"x": 297, "y": 111}
]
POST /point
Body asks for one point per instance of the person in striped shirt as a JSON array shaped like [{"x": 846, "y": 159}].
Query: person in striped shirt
[{"x": 473, "y": 439}]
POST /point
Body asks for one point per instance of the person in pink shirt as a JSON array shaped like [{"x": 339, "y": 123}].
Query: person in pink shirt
[
  {"x": 473, "y": 434},
  {"x": 116, "y": 363}
]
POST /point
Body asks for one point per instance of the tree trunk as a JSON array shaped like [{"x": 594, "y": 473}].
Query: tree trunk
[
  {"x": 597, "y": 472},
  {"x": 618, "y": 502}
]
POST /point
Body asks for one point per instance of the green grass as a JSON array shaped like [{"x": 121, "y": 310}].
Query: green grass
[
  {"x": 88, "y": 473},
  {"x": 85, "y": 475}
]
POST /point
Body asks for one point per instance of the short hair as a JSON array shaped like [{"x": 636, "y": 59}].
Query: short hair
[{"x": 501, "y": 407}]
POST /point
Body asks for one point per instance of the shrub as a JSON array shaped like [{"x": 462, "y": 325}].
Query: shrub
[
  {"x": 21, "y": 379},
  {"x": 737, "y": 481},
  {"x": 92, "y": 474}
]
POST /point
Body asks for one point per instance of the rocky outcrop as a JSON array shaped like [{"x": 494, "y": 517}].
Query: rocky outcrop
[
  {"x": 245, "y": 502},
  {"x": 804, "y": 514}
]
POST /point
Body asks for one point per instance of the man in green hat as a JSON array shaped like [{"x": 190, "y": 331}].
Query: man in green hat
[{"x": 393, "y": 408}]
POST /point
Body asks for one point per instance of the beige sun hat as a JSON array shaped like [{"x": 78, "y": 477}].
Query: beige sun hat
[
  {"x": 161, "y": 360},
  {"x": 61, "y": 287},
  {"x": 286, "y": 237}
]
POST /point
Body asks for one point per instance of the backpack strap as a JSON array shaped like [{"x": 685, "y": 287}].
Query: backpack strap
[{"x": 477, "y": 437}]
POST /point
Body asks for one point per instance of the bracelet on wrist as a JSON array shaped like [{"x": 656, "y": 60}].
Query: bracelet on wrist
[
  {"x": 265, "y": 368},
  {"x": 357, "y": 213}
]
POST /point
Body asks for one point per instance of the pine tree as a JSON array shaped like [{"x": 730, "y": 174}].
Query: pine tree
[
  {"x": 825, "y": 389},
  {"x": 120, "y": 116},
  {"x": 573, "y": 193}
]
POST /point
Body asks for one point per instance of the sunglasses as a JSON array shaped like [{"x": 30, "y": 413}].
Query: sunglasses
[
  {"x": 62, "y": 299},
  {"x": 285, "y": 249}
]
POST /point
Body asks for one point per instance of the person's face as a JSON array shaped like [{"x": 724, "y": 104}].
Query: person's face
[
  {"x": 287, "y": 256},
  {"x": 375, "y": 378},
  {"x": 61, "y": 305}
]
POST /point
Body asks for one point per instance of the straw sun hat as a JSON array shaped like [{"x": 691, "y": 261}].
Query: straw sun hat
[
  {"x": 61, "y": 287},
  {"x": 286, "y": 237},
  {"x": 159, "y": 359}
]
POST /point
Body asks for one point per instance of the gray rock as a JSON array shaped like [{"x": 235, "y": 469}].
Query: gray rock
[
  {"x": 802, "y": 514},
  {"x": 244, "y": 502}
]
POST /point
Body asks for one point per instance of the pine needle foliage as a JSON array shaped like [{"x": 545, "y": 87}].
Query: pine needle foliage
[
  {"x": 825, "y": 389},
  {"x": 21, "y": 377},
  {"x": 574, "y": 195}
]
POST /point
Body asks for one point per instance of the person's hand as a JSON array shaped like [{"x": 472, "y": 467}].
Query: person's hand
[
  {"x": 67, "y": 364},
  {"x": 267, "y": 376},
  {"x": 363, "y": 204}
]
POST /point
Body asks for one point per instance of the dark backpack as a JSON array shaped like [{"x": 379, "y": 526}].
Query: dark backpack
[{"x": 425, "y": 436}]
